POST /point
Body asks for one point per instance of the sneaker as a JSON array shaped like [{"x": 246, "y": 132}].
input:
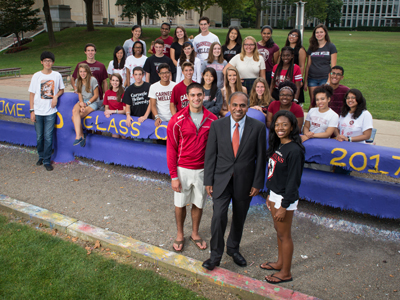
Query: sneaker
[
  {"x": 78, "y": 141},
  {"x": 49, "y": 167},
  {"x": 83, "y": 142},
  {"x": 39, "y": 162}
]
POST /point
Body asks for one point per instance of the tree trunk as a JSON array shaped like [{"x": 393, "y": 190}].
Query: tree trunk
[
  {"x": 139, "y": 18},
  {"x": 49, "y": 23},
  {"x": 258, "y": 17},
  {"x": 18, "y": 40},
  {"x": 89, "y": 15}
]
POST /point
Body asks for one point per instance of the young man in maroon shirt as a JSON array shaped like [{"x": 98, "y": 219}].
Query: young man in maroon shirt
[
  {"x": 168, "y": 40},
  {"x": 179, "y": 97}
]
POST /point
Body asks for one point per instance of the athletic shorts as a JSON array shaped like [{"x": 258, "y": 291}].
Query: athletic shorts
[
  {"x": 277, "y": 199},
  {"x": 193, "y": 189}
]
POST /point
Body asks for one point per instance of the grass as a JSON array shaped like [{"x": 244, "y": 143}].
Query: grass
[
  {"x": 36, "y": 265},
  {"x": 369, "y": 58}
]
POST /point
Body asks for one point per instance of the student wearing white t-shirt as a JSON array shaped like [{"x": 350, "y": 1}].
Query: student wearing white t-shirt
[
  {"x": 137, "y": 59},
  {"x": 117, "y": 65},
  {"x": 160, "y": 95},
  {"x": 355, "y": 122},
  {"x": 321, "y": 121},
  {"x": 45, "y": 89},
  {"x": 203, "y": 41}
]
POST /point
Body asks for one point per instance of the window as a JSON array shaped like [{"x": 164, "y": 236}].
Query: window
[{"x": 97, "y": 7}]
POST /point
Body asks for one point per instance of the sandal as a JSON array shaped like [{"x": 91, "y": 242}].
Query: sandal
[
  {"x": 280, "y": 280},
  {"x": 271, "y": 268},
  {"x": 178, "y": 243},
  {"x": 200, "y": 241}
]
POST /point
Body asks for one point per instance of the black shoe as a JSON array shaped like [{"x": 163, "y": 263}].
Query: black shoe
[
  {"x": 49, "y": 167},
  {"x": 238, "y": 259},
  {"x": 209, "y": 265},
  {"x": 39, "y": 162}
]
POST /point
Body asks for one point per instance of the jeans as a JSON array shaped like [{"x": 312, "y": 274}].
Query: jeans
[{"x": 44, "y": 127}]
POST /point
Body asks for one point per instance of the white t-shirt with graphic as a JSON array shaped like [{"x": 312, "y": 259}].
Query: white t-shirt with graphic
[
  {"x": 162, "y": 94},
  {"x": 122, "y": 72},
  {"x": 132, "y": 62},
  {"x": 202, "y": 44},
  {"x": 350, "y": 127},
  {"x": 319, "y": 122},
  {"x": 45, "y": 87}
]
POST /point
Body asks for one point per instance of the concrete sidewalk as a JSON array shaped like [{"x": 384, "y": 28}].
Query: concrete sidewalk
[{"x": 388, "y": 132}]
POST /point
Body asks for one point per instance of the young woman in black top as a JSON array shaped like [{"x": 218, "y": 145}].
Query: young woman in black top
[
  {"x": 233, "y": 43},
  {"x": 285, "y": 167}
]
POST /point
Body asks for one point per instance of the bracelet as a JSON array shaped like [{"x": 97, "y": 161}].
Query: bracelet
[
  {"x": 156, "y": 117},
  {"x": 349, "y": 138},
  {"x": 116, "y": 111},
  {"x": 88, "y": 103}
]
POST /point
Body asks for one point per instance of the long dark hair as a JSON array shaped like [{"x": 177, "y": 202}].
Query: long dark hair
[
  {"x": 214, "y": 87},
  {"x": 289, "y": 73},
  {"x": 182, "y": 58},
  {"x": 238, "y": 38},
  {"x": 135, "y": 27},
  {"x": 298, "y": 43},
  {"x": 294, "y": 135},
  {"x": 361, "y": 104},
  {"x": 120, "y": 65},
  {"x": 313, "y": 40},
  {"x": 270, "y": 42}
]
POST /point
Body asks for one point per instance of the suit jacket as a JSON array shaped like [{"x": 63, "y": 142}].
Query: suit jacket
[{"x": 247, "y": 168}]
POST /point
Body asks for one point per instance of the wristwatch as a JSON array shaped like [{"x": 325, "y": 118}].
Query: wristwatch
[{"x": 349, "y": 138}]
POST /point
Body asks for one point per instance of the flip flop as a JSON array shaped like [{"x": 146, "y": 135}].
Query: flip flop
[
  {"x": 178, "y": 243},
  {"x": 280, "y": 280},
  {"x": 271, "y": 268},
  {"x": 200, "y": 241}
]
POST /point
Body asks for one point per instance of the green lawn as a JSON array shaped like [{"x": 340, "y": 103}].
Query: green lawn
[
  {"x": 36, "y": 265},
  {"x": 369, "y": 58}
]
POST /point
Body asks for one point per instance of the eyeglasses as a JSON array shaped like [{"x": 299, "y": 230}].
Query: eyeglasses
[
  {"x": 351, "y": 98},
  {"x": 249, "y": 45},
  {"x": 286, "y": 95},
  {"x": 138, "y": 47},
  {"x": 336, "y": 74},
  {"x": 293, "y": 35}
]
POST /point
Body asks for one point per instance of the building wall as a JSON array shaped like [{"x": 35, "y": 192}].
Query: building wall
[{"x": 354, "y": 13}]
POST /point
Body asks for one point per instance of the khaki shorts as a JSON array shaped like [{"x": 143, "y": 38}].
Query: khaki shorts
[
  {"x": 193, "y": 189},
  {"x": 277, "y": 199}
]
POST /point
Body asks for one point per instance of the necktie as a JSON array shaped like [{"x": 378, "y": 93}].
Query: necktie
[{"x": 235, "y": 139}]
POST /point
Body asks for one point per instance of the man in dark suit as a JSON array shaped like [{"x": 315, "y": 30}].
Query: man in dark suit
[{"x": 234, "y": 168}]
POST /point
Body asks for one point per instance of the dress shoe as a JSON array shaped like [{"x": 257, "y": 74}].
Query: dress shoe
[
  {"x": 209, "y": 265},
  {"x": 238, "y": 259},
  {"x": 39, "y": 162},
  {"x": 49, "y": 167}
]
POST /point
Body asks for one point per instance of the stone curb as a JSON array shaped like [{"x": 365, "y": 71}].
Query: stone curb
[{"x": 247, "y": 287}]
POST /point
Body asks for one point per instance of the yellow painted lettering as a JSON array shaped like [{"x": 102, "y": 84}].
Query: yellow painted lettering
[
  {"x": 12, "y": 110},
  {"x": 20, "y": 109},
  {"x": 334, "y": 161},
  {"x": 86, "y": 125},
  {"x": 376, "y": 170},
  {"x": 156, "y": 132},
  {"x": 136, "y": 129},
  {"x": 97, "y": 125},
  {"x": 112, "y": 125},
  {"x": 398, "y": 170},
  {"x": 2, "y": 106},
  {"x": 61, "y": 124},
  {"x": 364, "y": 162},
  {"x": 123, "y": 129}
]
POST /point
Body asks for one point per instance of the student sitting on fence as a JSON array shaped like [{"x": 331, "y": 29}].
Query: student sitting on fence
[
  {"x": 321, "y": 121},
  {"x": 88, "y": 93},
  {"x": 112, "y": 99}
]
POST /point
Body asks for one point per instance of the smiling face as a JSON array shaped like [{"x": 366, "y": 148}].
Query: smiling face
[
  {"x": 159, "y": 49},
  {"x": 208, "y": 78},
  {"x": 320, "y": 34},
  {"x": 188, "y": 72},
  {"x": 249, "y": 46},
  {"x": 336, "y": 76},
  {"x": 138, "y": 75},
  {"x": 188, "y": 50},
  {"x": 195, "y": 98},
  {"x": 90, "y": 53},
  {"x": 204, "y": 26},
  {"x": 232, "y": 76},
  {"x": 114, "y": 81},
  {"x": 286, "y": 56},
  {"x": 138, "y": 49},
  {"x": 217, "y": 51},
  {"x": 119, "y": 54},
  {"x": 260, "y": 88},
  {"x": 179, "y": 33},
  {"x": 164, "y": 75},
  {"x": 283, "y": 128},
  {"x": 238, "y": 107},
  {"x": 82, "y": 73},
  {"x": 293, "y": 37},
  {"x": 136, "y": 33},
  {"x": 266, "y": 34},
  {"x": 233, "y": 35},
  {"x": 351, "y": 101},
  {"x": 165, "y": 31},
  {"x": 322, "y": 101},
  {"x": 285, "y": 97}
]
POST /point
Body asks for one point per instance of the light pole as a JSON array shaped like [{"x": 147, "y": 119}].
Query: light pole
[{"x": 300, "y": 17}]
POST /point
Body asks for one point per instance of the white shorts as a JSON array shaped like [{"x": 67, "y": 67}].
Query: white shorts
[
  {"x": 277, "y": 199},
  {"x": 193, "y": 189}
]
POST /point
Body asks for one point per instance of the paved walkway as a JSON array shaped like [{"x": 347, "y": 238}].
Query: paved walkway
[{"x": 388, "y": 132}]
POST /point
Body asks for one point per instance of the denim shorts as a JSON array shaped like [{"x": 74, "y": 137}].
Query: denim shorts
[
  {"x": 311, "y": 82},
  {"x": 92, "y": 105}
]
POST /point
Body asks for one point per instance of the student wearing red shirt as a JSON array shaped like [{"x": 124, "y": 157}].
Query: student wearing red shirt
[
  {"x": 179, "y": 97},
  {"x": 168, "y": 40}
]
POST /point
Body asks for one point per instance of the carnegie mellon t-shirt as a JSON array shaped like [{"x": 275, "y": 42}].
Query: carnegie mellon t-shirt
[
  {"x": 99, "y": 72},
  {"x": 162, "y": 94},
  {"x": 138, "y": 98},
  {"x": 151, "y": 66},
  {"x": 179, "y": 97}
]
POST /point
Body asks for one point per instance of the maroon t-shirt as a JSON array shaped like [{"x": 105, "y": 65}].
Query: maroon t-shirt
[
  {"x": 337, "y": 98},
  {"x": 179, "y": 97},
  {"x": 268, "y": 54},
  {"x": 167, "y": 45},
  {"x": 99, "y": 72},
  {"x": 296, "y": 109}
]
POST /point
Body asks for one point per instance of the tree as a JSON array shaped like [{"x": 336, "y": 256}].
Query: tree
[
  {"x": 89, "y": 15},
  {"x": 149, "y": 8},
  {"x": 18, "y": 16},
  {"x": 49, "y": 23},
  {"x": 229, "y": 7},
  {"x": 198, "y": 5},
  {"x": 333, "y": 12},
  {"x": 316, "y": 9}
]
